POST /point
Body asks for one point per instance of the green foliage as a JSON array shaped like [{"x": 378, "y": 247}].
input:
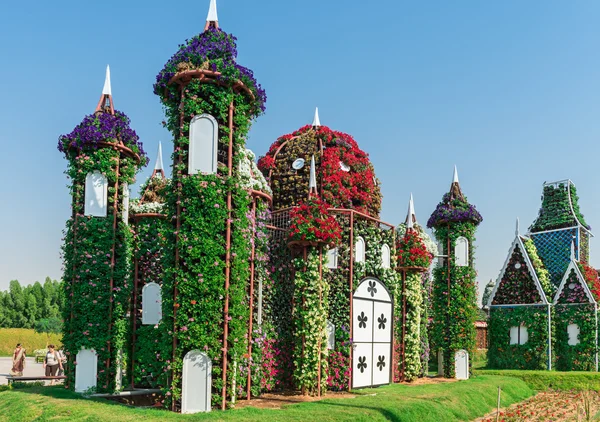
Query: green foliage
[
  {"x": 454, "y": 302},
  {"x": 29, "y": 339},
  {"x": 310, "y": 318},
  {"x": 550, "y": 380},
  {"x": 487, "y": 293},
  {"x": 414, "y": 306},
  {"x": 48, "y": 326},
  {"x": 22, "y": 307},
  {"x": 97, "y": 252},
  {"x": 531, "y": 355},
  {"x": 555, "y": 212},
  {"x": 579, "y": 357},
  {"x": 540, "y": 270}
]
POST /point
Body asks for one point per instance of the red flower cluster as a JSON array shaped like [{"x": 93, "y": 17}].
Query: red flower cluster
[
  {"x": 312, "y": 222},
  {"x": 266, "y": 163},
  {"x": 412, "y": 252},
  {"x": 592, "y": 279}
]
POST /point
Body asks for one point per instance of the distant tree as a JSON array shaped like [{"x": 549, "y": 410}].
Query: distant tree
[
  {"x": 487, "y": 293},
  {"x": 48, "y": 326},
  {"x": 22, "y": 307}
]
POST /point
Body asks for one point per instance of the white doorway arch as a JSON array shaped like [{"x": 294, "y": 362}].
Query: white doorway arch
[{"x": 372, "y": 334}]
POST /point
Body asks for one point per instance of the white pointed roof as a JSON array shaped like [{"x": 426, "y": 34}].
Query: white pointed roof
[
  {"x": 107, "y": 90},
  {"x": 212, "y": 12},
  {"x": 313, "y": 174},
  {"x": 518, "y": 229},
  {"x": 316, "y": 122},
  {"x": 159, "y": 159},
  {"x": 411, "y": 213},
  {"x": 455, "y": 178}
]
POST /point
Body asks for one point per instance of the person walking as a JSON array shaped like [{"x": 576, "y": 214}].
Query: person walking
[
  {"x": 18, "y": 361},
  {"x": 52, "y": 363}
]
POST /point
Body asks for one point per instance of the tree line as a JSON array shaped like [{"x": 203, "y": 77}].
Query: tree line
[{"x": 32, "y": 306}]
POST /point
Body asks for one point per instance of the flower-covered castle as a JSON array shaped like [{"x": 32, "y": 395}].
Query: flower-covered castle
[
  {"x": 543, "y": 309},
  {"x": 233, "y": 278}
]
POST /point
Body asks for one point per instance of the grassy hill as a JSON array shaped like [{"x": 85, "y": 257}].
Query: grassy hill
[{"x": 9, "y": 337}]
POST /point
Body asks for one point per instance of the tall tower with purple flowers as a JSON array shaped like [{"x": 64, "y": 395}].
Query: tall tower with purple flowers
[
  {"x": 104, "y": 154},
  {"x": 454, "y": 299},
  {"x": 208, "y": 298}
]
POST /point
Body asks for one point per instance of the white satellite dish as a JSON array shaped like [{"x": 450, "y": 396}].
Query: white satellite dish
[{"x": 345, "y": 167}]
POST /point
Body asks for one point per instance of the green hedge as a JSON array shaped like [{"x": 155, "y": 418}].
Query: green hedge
[{"x": 544, "y": 380}]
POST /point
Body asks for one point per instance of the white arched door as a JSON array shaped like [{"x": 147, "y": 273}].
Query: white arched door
[{"x": 372, "y": 334}]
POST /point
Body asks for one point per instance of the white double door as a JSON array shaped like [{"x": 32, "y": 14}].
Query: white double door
[{"x": 372, "y": 334}]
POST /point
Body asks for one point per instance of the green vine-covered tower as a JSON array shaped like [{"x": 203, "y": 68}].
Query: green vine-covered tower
[
  {"x": 209, "y": 102},
  {"x": 454, "y": 299},
  {"x": 103, "y": 154}
]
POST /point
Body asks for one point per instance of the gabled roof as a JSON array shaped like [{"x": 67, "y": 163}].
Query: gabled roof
[
  {"x": 580, "y": 278},
  {"x": 518, "y": 243}
]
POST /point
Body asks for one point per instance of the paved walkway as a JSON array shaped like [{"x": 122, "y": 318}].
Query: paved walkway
[{"x": 32, "y": 369}]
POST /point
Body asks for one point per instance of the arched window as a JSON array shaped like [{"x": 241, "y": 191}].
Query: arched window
[
  {"x": 519, "y": 335},
  {"x": 359, "y": 250},
  {"x": 332, "y": 258},
  {"x": 204, "y": 144},
  {"x": 151, "y": 304},
  {"x": 461, "y": 252},
  {"x": 125, "y": 203},
  {"x": 385, "y": 256},
  {"x": 573, "y": 331},
  {"x": 96, "y": 188}
]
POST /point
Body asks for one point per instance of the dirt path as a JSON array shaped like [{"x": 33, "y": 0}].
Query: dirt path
[{"x": 555, "y": 406}]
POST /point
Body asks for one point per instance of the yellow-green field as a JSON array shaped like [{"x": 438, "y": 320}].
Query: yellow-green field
[{"x": 9, "y": 337}]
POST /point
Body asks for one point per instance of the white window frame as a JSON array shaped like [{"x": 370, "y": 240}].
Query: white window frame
[
  {"x": 147, "y": 319},
  {"x": 360, "y": 257},
  {"x": 386, "y": 255}
]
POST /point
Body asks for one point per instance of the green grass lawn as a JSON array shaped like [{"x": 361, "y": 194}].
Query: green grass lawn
[
  {"x": 544, "y": 380},
  {"x": 457, "y": 401}
]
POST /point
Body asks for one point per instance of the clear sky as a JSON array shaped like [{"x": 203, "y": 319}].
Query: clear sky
[{"x": 509, "y": 91}]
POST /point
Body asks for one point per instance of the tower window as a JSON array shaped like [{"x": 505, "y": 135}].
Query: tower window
[
  {"x": 461, "y": 252},
  {"x": 151, "y": 304},
  {"x": 96, "y": 188},
  {"x": 204, "y": 145},
  {"x": 573, "y": 332},
  {"x": 332, "y": 258},
  {"x": 359, "y": 250},
  {"x": 385, "y": 256}
]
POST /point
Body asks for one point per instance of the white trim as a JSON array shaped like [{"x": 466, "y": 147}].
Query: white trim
[
  {"x": 573, "y": 211},
  {"x": 550, "y": 231},
  {"x": 519, "y": 304},
  {"x": 532, "y": 272},
  {"x": 581, "y": 278}
]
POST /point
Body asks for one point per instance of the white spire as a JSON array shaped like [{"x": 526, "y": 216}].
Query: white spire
[
  {"x": 411, "y": 213},
  {"x": 313, "y": 175},
  {"x": 159, "y": 160},
  {"x": 107, "y": 89},
  {"x": 518, "y": 229},
  {"x": 212, "y": 12},
  {"x": 455, "y": 179},
  {"x": 316, "y": 121}
]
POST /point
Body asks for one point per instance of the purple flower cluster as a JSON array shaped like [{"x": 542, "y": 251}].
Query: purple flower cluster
[
  {"x": 103, "y": 127},
  {"x": 220, "y": 49},
  {"x": 454, "y": 210}
]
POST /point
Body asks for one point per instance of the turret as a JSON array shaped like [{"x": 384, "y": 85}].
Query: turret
[{"x": 104, "y": 154}]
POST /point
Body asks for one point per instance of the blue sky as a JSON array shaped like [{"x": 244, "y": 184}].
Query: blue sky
[{"x": 508, "y": 91}]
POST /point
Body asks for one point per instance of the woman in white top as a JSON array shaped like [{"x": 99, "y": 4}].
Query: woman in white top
[{"x": 52, "y": 363}]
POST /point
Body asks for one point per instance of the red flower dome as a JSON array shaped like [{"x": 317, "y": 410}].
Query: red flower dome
[{"x": 344, "y": 173}]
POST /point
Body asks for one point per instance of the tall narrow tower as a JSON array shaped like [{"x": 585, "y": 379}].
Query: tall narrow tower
[
  {"x": 103, "y": 154},
  {"x": 454, "y": 223},
  {"x": 210, "y": 102}
]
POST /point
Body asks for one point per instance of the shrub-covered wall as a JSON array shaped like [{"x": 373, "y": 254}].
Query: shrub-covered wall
[
  {"x": 582, "y": 356},
  {"x": 531, "y": 355}
]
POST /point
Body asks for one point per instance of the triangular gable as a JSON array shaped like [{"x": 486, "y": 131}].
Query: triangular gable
[
  {"x": 573, "y": 276},
  {"x": 517, "y": 253}
]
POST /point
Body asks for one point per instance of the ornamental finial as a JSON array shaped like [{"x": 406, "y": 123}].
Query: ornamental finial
[
  {"x": 106, "y": 101},
  {"x": 411, "y": 218},
  {"x": 316, "y": 122},
  {"x": 312, "y": 184},
  {"x": 212, "y": 20},
  {"x": 518, "y": 229},
  {"x": 455, "y": 191},
  {"x": 158, "y": 167}
]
